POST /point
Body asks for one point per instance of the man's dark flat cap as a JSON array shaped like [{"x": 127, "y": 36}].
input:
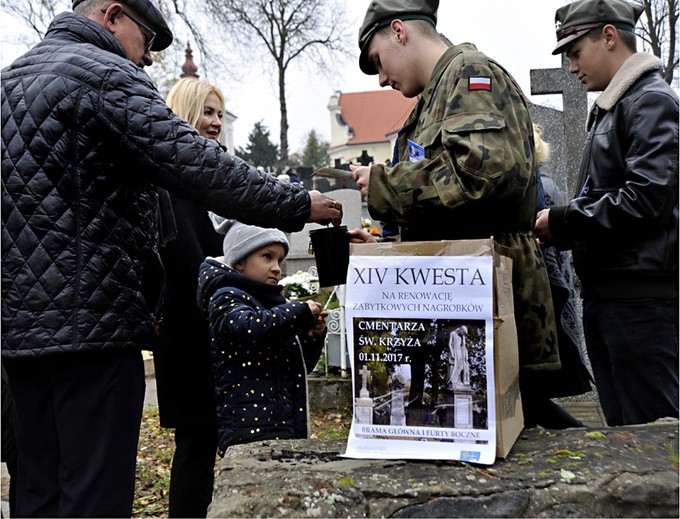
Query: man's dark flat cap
[{"x": 150, "y": 13}]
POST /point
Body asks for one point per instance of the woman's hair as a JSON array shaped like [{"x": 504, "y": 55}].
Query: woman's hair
[
  {"x": 542, "y": 148},
  {"x": 187, "y": 98}
]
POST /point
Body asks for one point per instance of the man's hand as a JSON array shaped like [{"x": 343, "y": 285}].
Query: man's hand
[
  {"x": 542, "y": 227},
  {"x": 325, "y": 210},
  {"x": 362, "y": 175}
]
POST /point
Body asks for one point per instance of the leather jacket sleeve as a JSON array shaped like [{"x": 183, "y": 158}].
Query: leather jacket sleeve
[{"x": 629, "y": 171}]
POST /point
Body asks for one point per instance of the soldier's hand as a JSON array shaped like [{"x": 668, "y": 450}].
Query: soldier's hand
[
  {"x": 360, "y": 236},
  {"x": 362, "y": 175},
  {"x": 325, "y": 210}
]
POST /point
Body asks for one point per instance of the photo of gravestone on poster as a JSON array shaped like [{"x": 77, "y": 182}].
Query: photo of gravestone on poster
[{"x": 420, "y": 342}]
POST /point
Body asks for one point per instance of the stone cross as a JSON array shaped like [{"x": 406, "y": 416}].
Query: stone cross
[
  {"x": 364, "y": 377},
  {"x": 575, "y": 108},
  {"x": 363, "y": 392}
]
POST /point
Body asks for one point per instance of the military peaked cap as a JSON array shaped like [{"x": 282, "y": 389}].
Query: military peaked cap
[
  {"x": 576, "y": 19},
  {"x": 382, "y": 12}
]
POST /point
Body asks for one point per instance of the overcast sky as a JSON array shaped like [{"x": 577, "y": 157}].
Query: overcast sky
[{"x": 519, "y": 34}]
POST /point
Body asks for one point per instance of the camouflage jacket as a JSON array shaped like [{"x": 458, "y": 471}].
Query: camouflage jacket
[{"x": 477, "y": 179}]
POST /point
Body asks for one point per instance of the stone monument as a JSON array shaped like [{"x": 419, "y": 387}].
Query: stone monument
[
  {"x": 397, "y": 413},
  {"x": 458, "y": 365},
  {"x": 458, "y": 392},
  {"x": 363, "y": 406},
  {"x": 565, "y": 130}
]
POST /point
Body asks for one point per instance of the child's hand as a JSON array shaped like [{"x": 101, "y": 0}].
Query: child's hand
[
  {"x": 315, "y": 307},
  {"x": 318, "y": 329}
]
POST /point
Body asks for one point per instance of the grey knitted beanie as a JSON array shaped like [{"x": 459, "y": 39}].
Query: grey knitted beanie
[{"x": 241, "y": 240}]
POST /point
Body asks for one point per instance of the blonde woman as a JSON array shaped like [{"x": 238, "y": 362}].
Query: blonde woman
[
  {"x": 573, "y": 378},
  {"x": 182, "y": 361},
  {"x": 200, "y": 104}
]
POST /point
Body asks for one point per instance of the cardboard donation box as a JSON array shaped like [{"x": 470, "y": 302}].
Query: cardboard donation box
[{"x": 433, "y": 349}]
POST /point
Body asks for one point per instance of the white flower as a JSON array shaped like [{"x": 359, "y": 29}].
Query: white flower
[{"x": 301, "y": 284}]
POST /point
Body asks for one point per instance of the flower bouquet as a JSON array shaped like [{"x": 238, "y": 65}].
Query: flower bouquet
[{"x": 300, "y": 286}]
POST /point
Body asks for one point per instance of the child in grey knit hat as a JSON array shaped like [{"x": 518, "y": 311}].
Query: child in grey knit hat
[
  {"x": 241, "y": 240},
  {"x": 263, "y": 346}
]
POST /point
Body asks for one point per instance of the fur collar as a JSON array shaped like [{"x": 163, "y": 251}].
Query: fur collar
[{"x": 631, "y": 70}]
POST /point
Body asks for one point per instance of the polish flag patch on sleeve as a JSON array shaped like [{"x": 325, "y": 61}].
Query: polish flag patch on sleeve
[{"x": 479, "y": 83}]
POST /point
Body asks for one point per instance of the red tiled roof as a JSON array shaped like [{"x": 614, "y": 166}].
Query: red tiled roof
[{"x": 374, "y": 115}]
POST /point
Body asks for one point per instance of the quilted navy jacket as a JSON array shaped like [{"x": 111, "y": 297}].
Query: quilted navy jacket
[
  {"x": 261, "y": 355},
  {"x": 86, "y": 139}
]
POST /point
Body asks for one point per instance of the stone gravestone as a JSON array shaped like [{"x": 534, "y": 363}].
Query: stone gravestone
[
  {"x": 335, "y": 331},
  {"x": 365, "y": 159},
  {"x": 458, "y": 394},
  {"x": 363, "y": 405},
  {"x": 568, "y": 137},
  {"x": 305, "y": 176},
  {"x": 298, "y": 256},
  {"x": 397, "y": 414},
  {"x": 321, "y": 184}
]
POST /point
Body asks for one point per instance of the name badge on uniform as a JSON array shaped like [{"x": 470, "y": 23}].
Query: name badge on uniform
[{"x": 415, "y": 151}]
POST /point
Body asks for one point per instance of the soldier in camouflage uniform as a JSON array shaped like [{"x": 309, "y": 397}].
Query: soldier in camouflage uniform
[{"x": 466, "y": 167}]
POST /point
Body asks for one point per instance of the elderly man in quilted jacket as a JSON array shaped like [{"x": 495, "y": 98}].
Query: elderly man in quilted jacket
[{"x": 86, "y": 139}]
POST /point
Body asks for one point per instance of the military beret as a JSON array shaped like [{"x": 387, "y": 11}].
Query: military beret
[
  {"x": 147, "y": 10},
  {"x": 382, "y": 12},
  {"x": 576, "y": 19}
]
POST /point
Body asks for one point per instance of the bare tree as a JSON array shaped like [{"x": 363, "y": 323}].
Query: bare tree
[
  {"x": 659, "y": 33},
  {"x": 37, "y": 15},
  {"x": 284, "y": 30},
  {"x": 188, "y": 15}
]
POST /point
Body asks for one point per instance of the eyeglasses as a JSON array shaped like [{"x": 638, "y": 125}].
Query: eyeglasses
[{"x": 149, "y": 34}]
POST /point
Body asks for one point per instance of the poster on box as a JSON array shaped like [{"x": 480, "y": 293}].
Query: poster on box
[{"x": 420, "y": 339}]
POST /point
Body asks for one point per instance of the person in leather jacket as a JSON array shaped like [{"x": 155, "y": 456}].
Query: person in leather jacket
[{"x": 622, "y": 225}]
